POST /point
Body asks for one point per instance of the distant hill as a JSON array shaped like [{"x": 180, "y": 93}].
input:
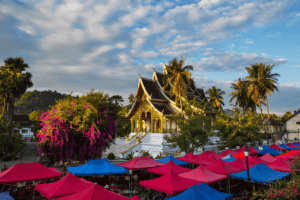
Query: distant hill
[{"x": 37, "y": 100}]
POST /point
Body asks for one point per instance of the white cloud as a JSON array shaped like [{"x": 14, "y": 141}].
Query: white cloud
[
  {"x": 249, "y": 42},
  {"x": 97, "y": 52},
  {"x": 298, "y": 15},
  {"x": 28, "y": 29},
  {"x": 265, "y": 55}
]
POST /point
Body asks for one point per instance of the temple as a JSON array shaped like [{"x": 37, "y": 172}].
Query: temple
[
  {"x": 152, "y": 107},
  {"x": 150, "y": 117}
]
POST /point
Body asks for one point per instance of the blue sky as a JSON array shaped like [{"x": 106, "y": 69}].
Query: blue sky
[{"x": 75, "y": 45}]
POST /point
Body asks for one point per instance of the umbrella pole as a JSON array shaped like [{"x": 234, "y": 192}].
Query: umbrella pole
[
  {"x": 33, "y": 194},
  {"x": 228, "y": 185}
]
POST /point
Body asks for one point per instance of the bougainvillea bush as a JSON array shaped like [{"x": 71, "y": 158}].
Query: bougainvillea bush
[{"x": 78, "y": 129}]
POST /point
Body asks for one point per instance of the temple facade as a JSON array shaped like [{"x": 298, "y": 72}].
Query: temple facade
[{"x": 152, "y": 107}]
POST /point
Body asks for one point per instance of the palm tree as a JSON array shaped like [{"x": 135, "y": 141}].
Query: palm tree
[
  {"x": 239, "y": 93},
  {"x": 178, "y": 77},
  {"x": 270, "y": 81},
  {"x": 13, "y": 84},
  {"x": 131, "y": 98},
  {"x": 215, "y": 98},
  {"x": 257, "y": 85}
]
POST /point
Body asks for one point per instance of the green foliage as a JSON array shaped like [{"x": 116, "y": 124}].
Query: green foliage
[
  {"x": 111, "y": 156},
  {"x": 287, "y": 115},
  {"x": 123, "y": 124},
  {"x": 146, "y": 153},
  {"x": 239, "y": 129},
  {"x": 35, "y": 115},
  {"x": 129, "y": 156},
  {"x": 192, "y": 132},
  {"x": 37, "y": 100},
  {"x": 159, "y": 156}
]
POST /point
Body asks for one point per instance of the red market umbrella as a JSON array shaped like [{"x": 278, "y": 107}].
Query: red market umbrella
[
  {"x": 135, "y": 198},
  {"x": 139, "y": 163},
  {"x": 253, "y": 160},
  {"x": 295, "y": 152},
  {"x": 239, "y": 163},
  {"x": 188, "y": 157},
  {"x": 28, "y": 172},
  {"x": 170, "y": 183},
  {"x": 227, "y": 152},
  {"x": 95, "y": 192},
  {"x": 201, "y": 174},
  {"x": 280, "y": 165},
  {"x": 68, "y": 185},
  {"x": 251, "y": 150},
  {"x": 267, "y": 158},
  {"x": 221, "y": 167},
  {"x": 204, "y": 159},
  {"x": 274, "y": 146},
  {"x": 168, "y": 167},
  {"x": 291, "y": 145},
  {"x": 239, "y": 155}
]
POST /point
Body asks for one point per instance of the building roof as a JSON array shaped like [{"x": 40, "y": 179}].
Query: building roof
[
  {"x": 21, "y": 118},
  {"x": 160, "y": 77},
  {"x": 152, "y": 89},
  {"x": 293, "y": 115},
  {"x": 273, "y": 122},
  {"x": 163, "y": 107}
]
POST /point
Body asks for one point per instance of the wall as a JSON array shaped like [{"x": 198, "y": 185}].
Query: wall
[{"x": 291, "y": 123}]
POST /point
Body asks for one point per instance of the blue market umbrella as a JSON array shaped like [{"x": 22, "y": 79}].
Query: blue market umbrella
[
  {"x": 267, "y": 149},
  {"x": 287, "y": 147},
  {"x": 5, "y": 196},
  {"x": 203, "y": 192},
  {"x": 228, "y": 158},
  {"x": 176, "y": 161}
]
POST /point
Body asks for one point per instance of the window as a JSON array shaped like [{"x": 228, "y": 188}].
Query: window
[
  {"x": 267, "y": 128},
  {"x": 24, "y": 131}
]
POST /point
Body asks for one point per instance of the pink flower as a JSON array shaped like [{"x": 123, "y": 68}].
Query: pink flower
[
  {"x": 73, "y": 105},
  {"x": 67, "y": 104},
  {"x": 69, "y": 111},
  {"x": 109, "y": 136},
  {"x": 77, "y": 123},
  {"x": 98, "y": 122},
  {"x": 61, "y": 105},
  {"x": 86, "y": 106}
]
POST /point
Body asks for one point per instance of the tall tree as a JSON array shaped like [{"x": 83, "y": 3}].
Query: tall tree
[
  {"x": 131, "y": 98},
  {"x": 215, "y": 98},
  {"x": 287, "y": 115},
  {"x": 178, "y": 77},
  {"x": 117, "y": 99},
  {"x": 257, "y": 85},
  {"x": 12, "y": 73},
  {"x": 269, "y": 80}
]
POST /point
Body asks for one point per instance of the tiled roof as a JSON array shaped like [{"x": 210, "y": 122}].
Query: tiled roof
[
  {"x": 201, "y": 93},
  {"x": 273, "y": 122},
  {"x": 160, "y": 77},
  {"x": 153, "y": 89},
  {"x": 163, "y": 107},
  {"x": 293, "y": 115},
  {"x": 21, "y": 118}
]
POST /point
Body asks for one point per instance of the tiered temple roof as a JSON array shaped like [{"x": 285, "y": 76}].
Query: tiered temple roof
[{"x": 161, "y": 100}]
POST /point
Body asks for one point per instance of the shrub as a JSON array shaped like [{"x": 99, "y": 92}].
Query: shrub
[
  {"x": 111, "y": 156},
  {"x": 159, "y": 156},
  {"x": 129, "y": 156},
  {"x": 7, "y": 157},
  {"x": 146, "y": 153}
]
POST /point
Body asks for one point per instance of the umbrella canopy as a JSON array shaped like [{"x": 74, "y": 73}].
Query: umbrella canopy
[
  {"x": 239, "y": 155},
  {"x": 267, "y": 158},
  {"x": 135, "y": 198},
  {"x": 280, "y": 165},
  {"x": 202, "y": 191},
  {"x": 227, "y": 152},
  {"x": 68, "y": 185},
  {"x": 204, "y": 159},
  {"x": 188, "y": 157},
  {"x": 251, "y": 150},
  {"x": 269, "y": 150},
  {"x": 229, "y": 158},
  {"x": 221, "y": 167},
  {"x": 97, "y": 167},
  {"x": 168, "y": 167},
  {"x": 201, "y": 174},
  {"x": 274, "y": 146},
  {"x": 296, "y": 144},
  {"x": 176, "y": 161},
  {"x": 261, "y": 174},
  {"x": 295, "y": 152},
  {"x": 170, "y": 183},
  {"x": 291, "y": 145},
  {"x": 94, "y": 192},
  {"x": 139, "y": 163},
  {"x": 28, "y": 172},
  {"x": 287, "y": 155},
  {"x": 287, "y": 147},
  {"x": 6, "y": 196},
  {"x": 253, "y": 160},
  {"x": 240, "y": 164}
]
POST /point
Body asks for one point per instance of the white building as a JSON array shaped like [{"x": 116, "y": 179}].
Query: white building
[{"x": 27, "y": 127}]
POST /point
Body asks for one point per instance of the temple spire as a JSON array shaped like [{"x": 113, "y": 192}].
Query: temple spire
[{"x": 165, "y": 69}]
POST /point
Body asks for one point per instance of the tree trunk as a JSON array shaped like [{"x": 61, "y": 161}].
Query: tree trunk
[
  {"x": 11, "y": 118},
  {"x": 4, "y": 109},
  {"x": 260, "y": 110},
  {"x": 268, "y": 107},
  {"x": 8, "y": 110}
]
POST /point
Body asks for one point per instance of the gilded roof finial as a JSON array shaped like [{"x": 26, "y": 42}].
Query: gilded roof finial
[
  {"x": 162, "y": 112},
  {"x": 150, "y": 96},
  {"x": 139, "y": 75},
  {"x": 154, "y": 69}
]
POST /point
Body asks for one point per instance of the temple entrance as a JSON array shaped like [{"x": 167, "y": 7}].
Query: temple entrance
[{"x": 148, "y": 120}]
